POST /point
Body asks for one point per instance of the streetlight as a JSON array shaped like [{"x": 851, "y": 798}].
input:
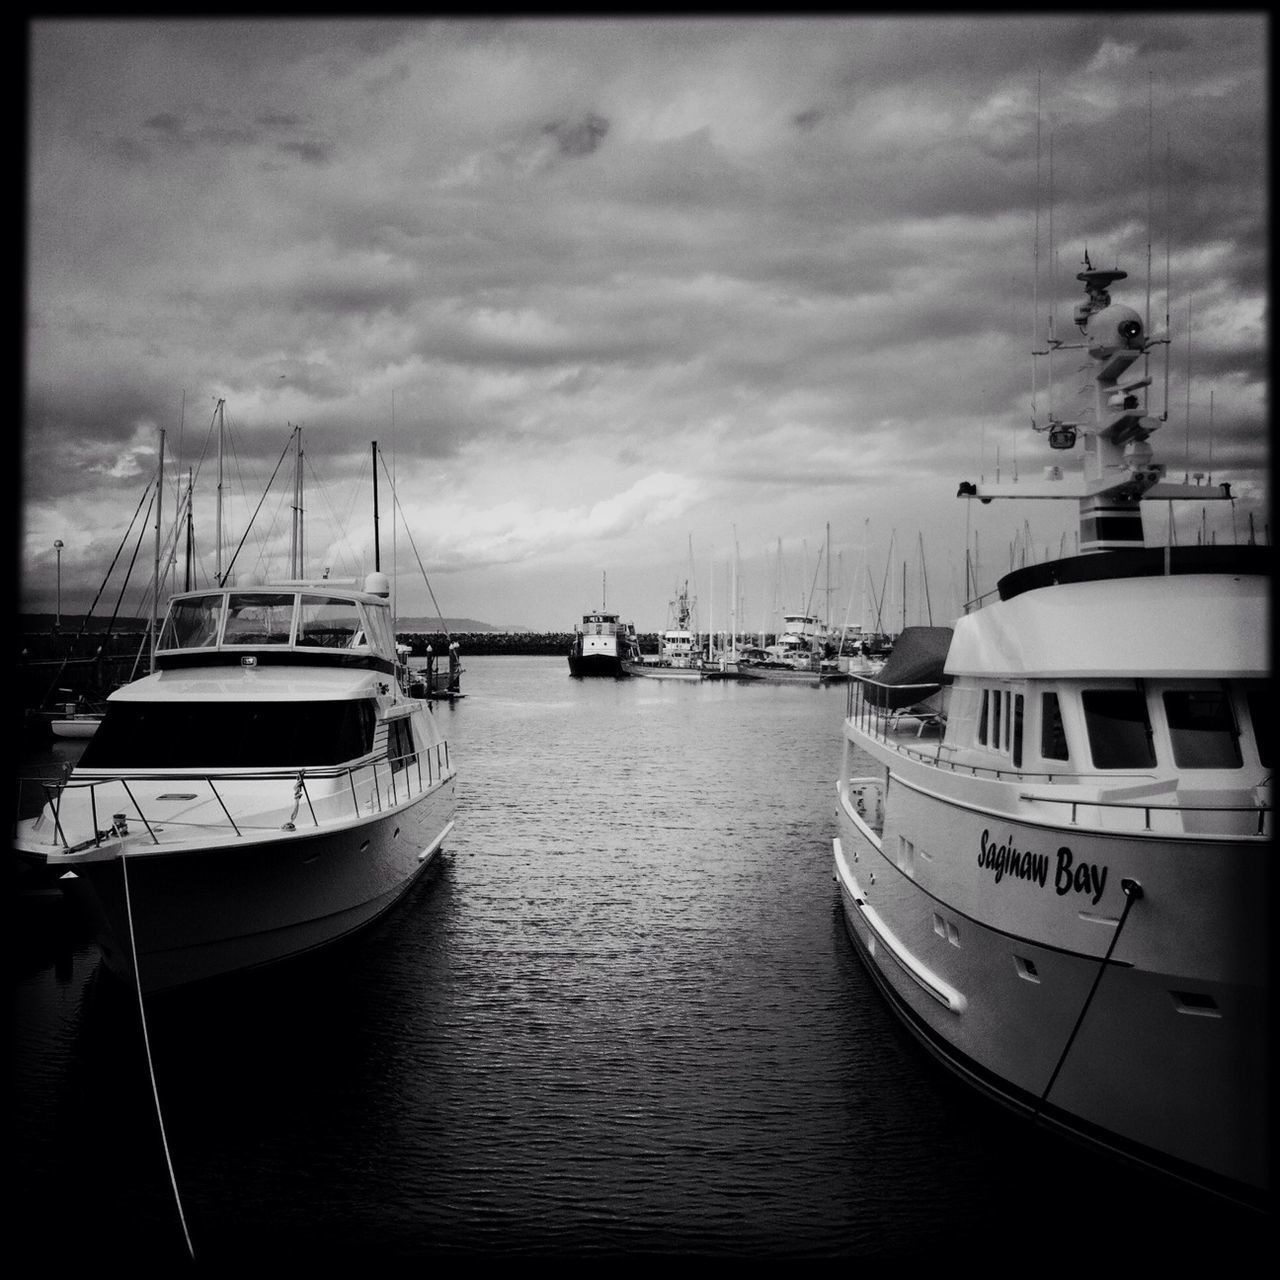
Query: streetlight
[{"x": 57, "y": 618}]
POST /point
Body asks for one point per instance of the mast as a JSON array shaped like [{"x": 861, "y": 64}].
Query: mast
[
  {"x": 733, "y": 608},
  {"x": 377, "y": 553},
  {"x": 188, "y": 564},
  {"x": 155, "y": 592},
  {"x": 295, "y": 537},
  {"x": 217, "y": 562},
  {"x": 828, "y": 617}
]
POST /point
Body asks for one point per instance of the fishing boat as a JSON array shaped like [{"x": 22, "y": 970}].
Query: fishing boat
[
  {"x": 679, "y": 655},
  {"x": 1056, "y": 870}
]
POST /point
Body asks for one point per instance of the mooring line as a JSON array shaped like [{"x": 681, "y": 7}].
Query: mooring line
[
  {"x": 146, "y": 1041},
  {"x": 1132, "y": 892}
]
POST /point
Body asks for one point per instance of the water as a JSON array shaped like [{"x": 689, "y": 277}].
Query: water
[{"x": 622, "y": 1017}]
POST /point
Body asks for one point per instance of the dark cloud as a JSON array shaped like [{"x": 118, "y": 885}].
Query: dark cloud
[{"x": 580, "y": 138}]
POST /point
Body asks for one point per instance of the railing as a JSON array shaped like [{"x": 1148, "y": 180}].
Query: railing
[
  {"x": 859, "y": 708},
  {"x": 1075, "y": 804},
  {"x": 373, "y": 786}
]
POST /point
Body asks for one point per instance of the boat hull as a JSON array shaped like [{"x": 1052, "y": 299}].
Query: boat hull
[
  {"x": 75, "y": 726},
  {"x": 605, "y": 665},
  {"x": 197, "y": 914},
  {"x": 1156, "y": 1055},
  {"x": 782, "y": 674},
  {"x": 661, "y": 671}
]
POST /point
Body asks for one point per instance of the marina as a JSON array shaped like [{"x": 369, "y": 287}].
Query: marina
[
  {"x": 890, "y": 881},
  {"x": 620, "y": 1017}
]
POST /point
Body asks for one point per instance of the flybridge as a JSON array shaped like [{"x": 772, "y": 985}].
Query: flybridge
[{"x": 1118, "y": 470}]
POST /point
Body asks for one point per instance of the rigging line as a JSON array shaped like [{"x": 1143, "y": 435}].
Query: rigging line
[
  {"x": 395, "y": 499},
  {"x": 84, "y": 622},
  {"x": 227, "y": 572},
  {"x": 146, "y": 1042},
  {"x": 142, "y": 647},
  {"x": 1132, "y": 892}
]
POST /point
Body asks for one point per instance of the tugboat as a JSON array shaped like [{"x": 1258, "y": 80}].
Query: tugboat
[
  {"x": 601, "y": 645},
  {"x": 1057, "y": 873}
]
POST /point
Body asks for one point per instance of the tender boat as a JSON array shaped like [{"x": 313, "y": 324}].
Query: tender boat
[
  {"x": 1057, "y": 870},
  {"x": 75, "y": 724},
  {"x": 268, "y": 789}
]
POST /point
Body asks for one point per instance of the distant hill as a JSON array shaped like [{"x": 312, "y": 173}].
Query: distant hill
[
  {"x": 449, "y": 624},
  {"x": 42, "y": 624}
]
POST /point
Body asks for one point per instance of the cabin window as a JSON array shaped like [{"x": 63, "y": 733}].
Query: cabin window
[
  {"x": 1053, "y": 734},
  {"x": 1260, "y": 715},
  {"x": 1119, "y": 728},
  {"x": 982, "y": 718},
  {"x": 1202, "y": 729},
  {"x": 399, "y": 744},
  {"x": 231, "y": 735},
  {"x": 328, "y": 622},
  {"x": 996, "y": 700},
  {"x": 260, "y": 617},
  {"x": 192, "y": 623},
  {"x": 1017, "y": 731}
]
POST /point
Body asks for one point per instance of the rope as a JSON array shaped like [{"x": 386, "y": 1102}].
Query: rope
[
  {"x": 146, "y": 1040},
  {"x": 1132, "y": 892}
]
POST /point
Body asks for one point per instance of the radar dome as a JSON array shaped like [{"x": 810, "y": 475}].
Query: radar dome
[{"x": 1115, "y": 328}]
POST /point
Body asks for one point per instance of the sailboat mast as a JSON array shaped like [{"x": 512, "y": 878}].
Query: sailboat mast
[
  {"x": 828, "y": 617},
  {"x": 186, "y": 577},
  {"x": 295, "y": 538},
  {"x": 155, "y": 591},
  {"x": 733, "y": 609},
  {"x": 217, "y": 560},
  {"x": 377, "y": 553}
]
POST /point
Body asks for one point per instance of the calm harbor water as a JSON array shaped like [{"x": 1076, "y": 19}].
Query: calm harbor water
[{"x": 621, "y": 1017}]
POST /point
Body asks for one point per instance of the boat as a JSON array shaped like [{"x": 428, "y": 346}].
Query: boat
[
  {"x": 798, "y": 656},
  {"x": 679, "y": 655},
  {"x": 267, "y": 789},
  {"x": 1056, "y": 871},
  {"x": 75, "y": 724},
  {"x": 602, "y": 643}
]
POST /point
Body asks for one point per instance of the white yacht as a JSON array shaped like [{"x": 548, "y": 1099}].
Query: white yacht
[
  {"x": 269, "y": 788},
  {"x": 1056, "y": 869}
]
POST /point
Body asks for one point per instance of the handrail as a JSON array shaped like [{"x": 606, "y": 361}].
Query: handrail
[
  {"x": 55, "y": 790},
  {"x": 1262, "y": 810}
]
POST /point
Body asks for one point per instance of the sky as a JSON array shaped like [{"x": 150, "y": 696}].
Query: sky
[{"x": 624, "y": 304}]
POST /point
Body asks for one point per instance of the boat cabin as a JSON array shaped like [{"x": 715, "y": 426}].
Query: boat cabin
[{"x": 296, "y": 622}]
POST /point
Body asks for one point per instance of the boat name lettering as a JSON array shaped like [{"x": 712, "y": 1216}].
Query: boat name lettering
[
  {"x": 1008, "y": 859},
  {"x": 1086, "y": 877}
]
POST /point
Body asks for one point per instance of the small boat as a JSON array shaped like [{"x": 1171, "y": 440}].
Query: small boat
[
  {"x": 1057, "y": 872},
  {"x": 75, "y": 724},
  {"x": 268, "y": 789}
]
